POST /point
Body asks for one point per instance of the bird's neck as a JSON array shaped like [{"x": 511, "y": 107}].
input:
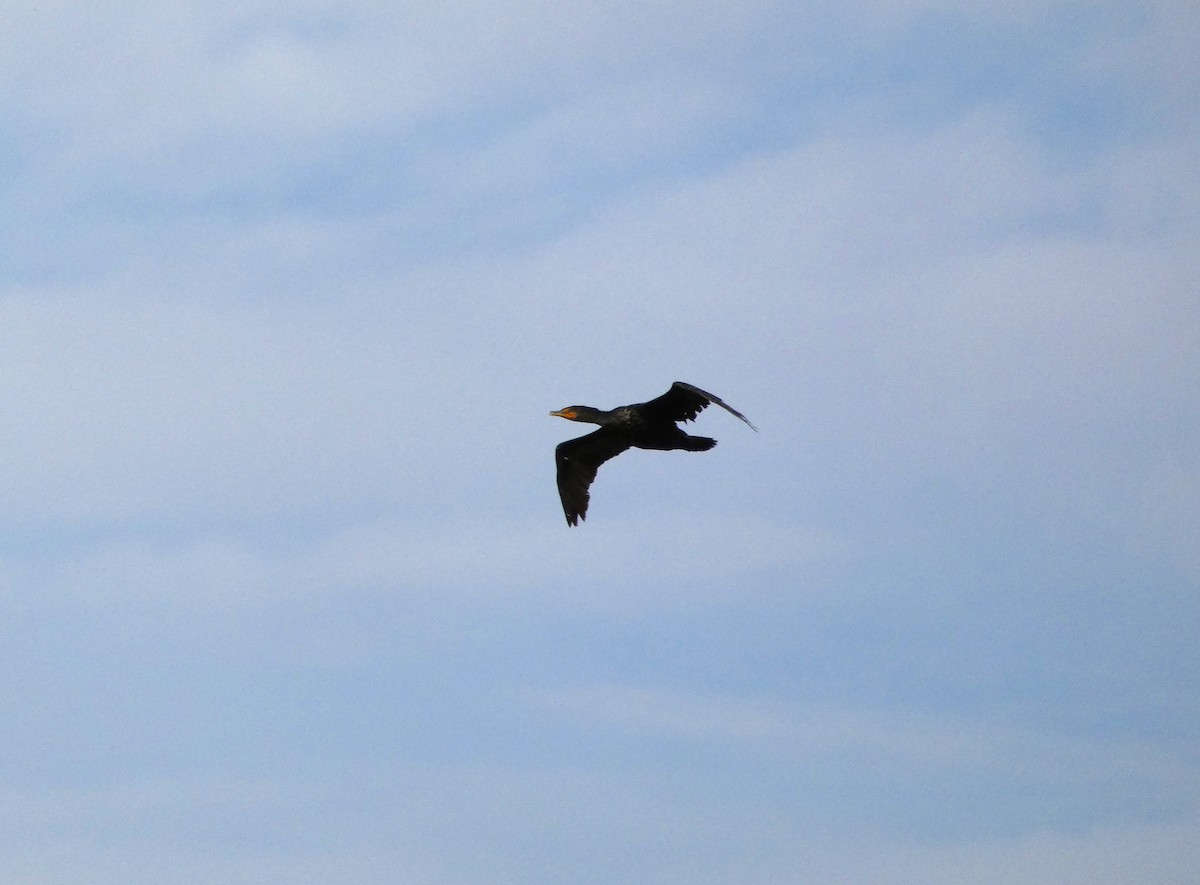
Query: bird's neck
[{"x": 599, "y": 416}]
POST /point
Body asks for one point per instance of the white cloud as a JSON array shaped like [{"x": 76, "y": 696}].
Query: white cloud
[
  {"x": 879, "y": 277},
  {"x": 140, "y": 408},
  {"x": 884, "y": 741},
  {"x": 511, "y": 565},
  {"x": 468, "y": 824},
  {"x": 1156, "y": 510},
  {"x": 1163, "y": 853}
]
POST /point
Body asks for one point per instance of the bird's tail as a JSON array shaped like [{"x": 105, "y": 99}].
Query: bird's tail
[{"x": 698, "y": 444}]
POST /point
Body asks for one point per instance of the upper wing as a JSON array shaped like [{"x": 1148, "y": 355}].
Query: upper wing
[
  {"x": 683, "y": 402},
  {"x": 578, "y": 460}
]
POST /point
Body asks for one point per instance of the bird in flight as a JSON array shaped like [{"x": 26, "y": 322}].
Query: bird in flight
[{"x": 649, "y": 425}]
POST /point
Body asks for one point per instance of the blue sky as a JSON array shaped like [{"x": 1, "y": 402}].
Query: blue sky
[{"x": 288, "y": 290}]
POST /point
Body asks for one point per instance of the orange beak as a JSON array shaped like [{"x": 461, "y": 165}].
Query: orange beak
[{"x": 564, "y": 413}]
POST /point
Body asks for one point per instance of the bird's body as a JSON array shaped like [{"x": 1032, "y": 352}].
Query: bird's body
[{"x": 648, "y": 425}]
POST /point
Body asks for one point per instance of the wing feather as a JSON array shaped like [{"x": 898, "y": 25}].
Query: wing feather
[
  {"x": 683, "y": 402},
  {"x": 578, "y": 460}
]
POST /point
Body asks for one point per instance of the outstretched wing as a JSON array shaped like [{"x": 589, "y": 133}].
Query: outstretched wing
[
  {"x": 578, "y": 460},
  {"x": 683, "y": 402}
]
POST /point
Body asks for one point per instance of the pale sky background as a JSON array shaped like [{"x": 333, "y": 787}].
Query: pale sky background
[{"x": 287, "y": 290}]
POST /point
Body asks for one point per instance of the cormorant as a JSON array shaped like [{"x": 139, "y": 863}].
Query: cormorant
[{"x": 649, "y": 425}]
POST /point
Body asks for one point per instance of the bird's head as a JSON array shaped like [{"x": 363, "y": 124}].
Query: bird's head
[{"x": 580, "y": 413}]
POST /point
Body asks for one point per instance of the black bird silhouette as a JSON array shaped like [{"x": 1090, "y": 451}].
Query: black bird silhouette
[{"x": 650, "y": 425}]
